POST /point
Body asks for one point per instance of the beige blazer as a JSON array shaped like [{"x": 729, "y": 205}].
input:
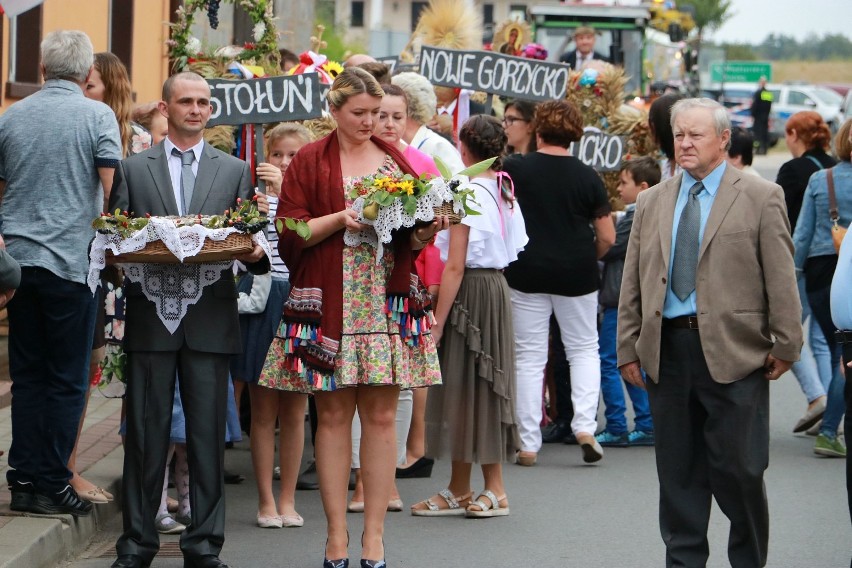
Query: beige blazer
[{"x": 747, "y": 300}]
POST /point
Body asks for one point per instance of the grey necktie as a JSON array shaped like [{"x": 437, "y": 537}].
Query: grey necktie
[
  {"x": 187, "y": 178},
  {"x": 686, "y": 245}
]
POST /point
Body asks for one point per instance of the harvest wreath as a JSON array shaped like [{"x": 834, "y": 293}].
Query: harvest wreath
[{"x": 184, "y": 48}]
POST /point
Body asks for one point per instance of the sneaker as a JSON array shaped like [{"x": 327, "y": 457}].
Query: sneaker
[
  {"x": 185, "y": 520},
  {"x": 65, "y": 502},
  {"x": 608, "y": 439},
  {"x": 641, "y": 438},
  {"x": 829, "y": 447},
  {"x": 276, "y": 472},
  {"x": 165, "y": 524},
  {"x": 570, "y": 439},
  {"x": 22, "y": 496}
]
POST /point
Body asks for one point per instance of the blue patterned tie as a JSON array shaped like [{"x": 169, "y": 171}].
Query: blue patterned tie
[
  {"x": 187, "y": 178},
  {"x": 686, "y": 245}
]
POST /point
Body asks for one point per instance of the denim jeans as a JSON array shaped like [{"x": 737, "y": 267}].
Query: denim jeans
[
  {"x": 611, "y": 383},
  {"x": 51, "y": 325},
  {"x": 813, "y": 370},
  {"x": 820, "y": 301}
]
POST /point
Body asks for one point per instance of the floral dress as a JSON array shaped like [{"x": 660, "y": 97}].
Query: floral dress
[{"x": 371, "y": 350}]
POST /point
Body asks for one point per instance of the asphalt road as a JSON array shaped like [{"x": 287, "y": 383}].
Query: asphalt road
[{"x": 563, "y": 513}]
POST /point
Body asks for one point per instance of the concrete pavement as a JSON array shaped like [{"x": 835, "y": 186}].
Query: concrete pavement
[{"x": 563, "y": 513}]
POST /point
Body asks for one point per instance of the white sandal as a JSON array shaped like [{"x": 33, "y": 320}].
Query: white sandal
[
  {"x": 485, "y": 510},
  {"x": 453, "y": 508}
]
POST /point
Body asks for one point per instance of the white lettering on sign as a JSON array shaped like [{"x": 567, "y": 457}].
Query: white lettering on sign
[
  {"x": 494, "y": 73},
  {"x": 603, "y": 152},
  {"x": 258, "y": 101}
]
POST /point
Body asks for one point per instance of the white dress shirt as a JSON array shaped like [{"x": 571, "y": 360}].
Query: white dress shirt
[{"x": 175, "y": 167}]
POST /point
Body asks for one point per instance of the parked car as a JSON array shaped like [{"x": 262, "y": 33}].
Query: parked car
[{"x": 790, "y": 98}]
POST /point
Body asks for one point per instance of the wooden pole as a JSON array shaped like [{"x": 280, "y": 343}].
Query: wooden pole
[{"x": 258, "y": 154}]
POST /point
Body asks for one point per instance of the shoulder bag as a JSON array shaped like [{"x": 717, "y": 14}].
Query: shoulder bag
[{"x": 837, "y": 232}]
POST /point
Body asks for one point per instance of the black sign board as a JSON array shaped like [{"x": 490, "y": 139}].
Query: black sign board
[
  {"x": 494, "y": 73},
  {"x": 259, "y": 101},
  {"x": 603, "y": 152}
]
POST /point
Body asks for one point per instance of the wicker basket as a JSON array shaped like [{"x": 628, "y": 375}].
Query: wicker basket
[
  {"x": 446, "y": 208},
  {"x": 212, "y": 251}
]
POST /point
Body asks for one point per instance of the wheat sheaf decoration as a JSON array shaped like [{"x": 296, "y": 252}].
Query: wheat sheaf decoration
[{"x": 445, "y": 23}]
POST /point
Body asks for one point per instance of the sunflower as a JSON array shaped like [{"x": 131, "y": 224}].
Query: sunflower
[{"x": 333, "y": 68}]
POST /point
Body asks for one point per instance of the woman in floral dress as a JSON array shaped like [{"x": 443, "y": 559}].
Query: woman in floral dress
[{"x": 355, "y": 326}]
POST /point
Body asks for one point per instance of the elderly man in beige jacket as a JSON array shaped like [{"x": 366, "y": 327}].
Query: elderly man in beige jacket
[{"x": 709, "y": 309}]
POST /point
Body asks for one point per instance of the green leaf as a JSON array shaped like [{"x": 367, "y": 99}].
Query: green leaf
[
  {"x": 303, "y": 230},
  {"x": 477, "y": 168},
  {"x": 279, "y": 225},
  {"x": 409, "y": 204},
  {"x": 443, "y": 168},
  {"x": 470, "y": 211},
  {"x": 290, "y": 223}
]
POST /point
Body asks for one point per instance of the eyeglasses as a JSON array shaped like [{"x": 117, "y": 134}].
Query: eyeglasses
[{"x": 510, "y": 120}]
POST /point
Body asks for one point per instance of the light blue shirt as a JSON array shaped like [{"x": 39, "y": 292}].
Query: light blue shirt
[
  {"x": 841, "y": 298},
  {"x": 673, "y": 306}
]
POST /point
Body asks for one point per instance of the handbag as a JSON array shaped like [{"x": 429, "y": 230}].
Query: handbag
[{"x": 837, "y": 232}]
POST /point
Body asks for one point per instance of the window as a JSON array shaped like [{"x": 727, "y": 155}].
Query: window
[
  {"x": 24, "y": 49},
  {"x": 357, "y": 15},
  {"x": 416, "y": 8},
  {"x": 799, "y": 98},
  {"x": 487, "y": 14},
  {"x": 121, "y": 32},
  {"x": 518, "y": 12}
]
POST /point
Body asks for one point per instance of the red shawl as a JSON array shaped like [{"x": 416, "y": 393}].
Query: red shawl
[{"x": 313, "y": 313}]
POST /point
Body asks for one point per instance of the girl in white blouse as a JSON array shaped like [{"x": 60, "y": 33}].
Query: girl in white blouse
[{"x": 471, "y": 417}]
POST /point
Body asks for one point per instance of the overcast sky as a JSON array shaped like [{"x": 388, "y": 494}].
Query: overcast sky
[{"x": 753, "y": 20}]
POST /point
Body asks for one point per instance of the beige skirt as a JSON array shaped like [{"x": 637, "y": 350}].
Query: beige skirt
[{"x": 471, "y": 417}]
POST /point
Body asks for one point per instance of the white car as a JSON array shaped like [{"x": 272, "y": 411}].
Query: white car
[{"x": 790, "y": 98}]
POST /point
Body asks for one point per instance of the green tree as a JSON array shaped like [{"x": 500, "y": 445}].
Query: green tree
[
  {"x": 739, "y": 52},
  {"x": 708, "y": 14}
]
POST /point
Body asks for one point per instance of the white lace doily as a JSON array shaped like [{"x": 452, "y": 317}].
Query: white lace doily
[
  {"x": 394, "y": 217},
  {"x": 172, "y": 287}
]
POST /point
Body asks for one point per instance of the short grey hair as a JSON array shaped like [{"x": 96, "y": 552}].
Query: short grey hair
[
  {"x": 720, "y": 115},
  {"x": 422, "y": 102},
  {"x": 67, "y": 54}
]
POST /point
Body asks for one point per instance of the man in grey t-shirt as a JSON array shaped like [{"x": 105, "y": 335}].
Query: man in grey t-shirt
[{"x": 56, "y": 146}]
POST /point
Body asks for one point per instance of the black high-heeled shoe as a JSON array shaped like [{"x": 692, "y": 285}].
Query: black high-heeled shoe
[
  {"x": 421, "y": 468},
  {"x": 372, "y": 563},
  {"x": 340, "y": 562}
]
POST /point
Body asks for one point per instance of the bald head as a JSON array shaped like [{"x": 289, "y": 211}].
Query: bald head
[{"x": 358, "y": 59}]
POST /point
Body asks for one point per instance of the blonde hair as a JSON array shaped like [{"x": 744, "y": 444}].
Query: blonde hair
[
  {"x": 422, "y": 101},
  {"x": 351, "y": 82},
  {"x": 118, "y": 94},
  {"x": 286, "y": 130},
  {"x": 843, "y": 142}
]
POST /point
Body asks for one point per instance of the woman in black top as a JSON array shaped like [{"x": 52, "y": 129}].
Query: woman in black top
[
  {"x": 808, "y": 137},
  {"x": 567, "y": 213}
]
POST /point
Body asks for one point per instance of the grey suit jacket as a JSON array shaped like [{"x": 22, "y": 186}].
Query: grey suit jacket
[
  {"x": 747, "y": 300},
  {"x": 142, "y": 185}
]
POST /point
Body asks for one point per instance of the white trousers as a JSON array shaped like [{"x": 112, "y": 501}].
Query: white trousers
[
  {"x": 577, "y": 318},
  {"x": 403, "y": 423}
]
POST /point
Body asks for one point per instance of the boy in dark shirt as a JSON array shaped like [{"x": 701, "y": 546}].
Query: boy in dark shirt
[{"x": 637, "y": 175}]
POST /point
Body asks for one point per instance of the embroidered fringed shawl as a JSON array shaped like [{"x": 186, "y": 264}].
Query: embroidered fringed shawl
[{"x": 313, "y": 314}]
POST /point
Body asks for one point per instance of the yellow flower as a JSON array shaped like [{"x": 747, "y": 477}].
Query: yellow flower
[
  {"x": 333, "y": 68},
  {"x": 407, "y": 186},
  {"x": 381, "y": 182}
]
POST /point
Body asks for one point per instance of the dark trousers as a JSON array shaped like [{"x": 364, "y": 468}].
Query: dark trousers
[
  {"x": 846, "y": 345},
  {"x": 51, "y": 324},
  {"x": 712, "y": 441},
  {"x": 150, "y": 392},
  {"x": 761, "y": 133}
]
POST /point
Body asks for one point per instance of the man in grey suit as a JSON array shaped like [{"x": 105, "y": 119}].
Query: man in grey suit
[
  {"x": 709, "y": 309},
  {"x": 181, "y": 175}
]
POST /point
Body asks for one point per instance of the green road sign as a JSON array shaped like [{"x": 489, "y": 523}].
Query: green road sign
[{"x": 740, "y": 71}]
